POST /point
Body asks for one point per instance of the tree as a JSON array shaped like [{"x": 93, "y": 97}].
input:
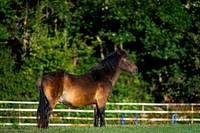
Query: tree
[{"x": 162, "y": 37}]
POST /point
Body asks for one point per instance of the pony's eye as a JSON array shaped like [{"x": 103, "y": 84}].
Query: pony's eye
[{"x": 126, "y": 59}]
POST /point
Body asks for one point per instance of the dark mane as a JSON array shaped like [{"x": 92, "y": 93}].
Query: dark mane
[{"x": 109, "y": 63}]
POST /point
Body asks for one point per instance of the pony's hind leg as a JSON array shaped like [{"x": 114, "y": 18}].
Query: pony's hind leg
[
  {"x": 43, "y": 111},
  {"x": 47, "y": 115},
  {"x": 50, "y": 88},
  {"x": 96, "y": 115}
]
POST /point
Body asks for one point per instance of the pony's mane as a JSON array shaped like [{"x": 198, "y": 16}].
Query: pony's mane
[{"x": 109, "y": 63}]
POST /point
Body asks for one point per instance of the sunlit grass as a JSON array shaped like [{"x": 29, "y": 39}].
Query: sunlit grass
[{"x": 114, "y": 129}]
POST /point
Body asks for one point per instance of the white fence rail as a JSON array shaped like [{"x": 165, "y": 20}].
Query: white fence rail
[{"x": 17, "y": 112}]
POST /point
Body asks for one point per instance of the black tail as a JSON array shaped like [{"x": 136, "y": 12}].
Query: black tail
[{"x": 43, "y": 108}]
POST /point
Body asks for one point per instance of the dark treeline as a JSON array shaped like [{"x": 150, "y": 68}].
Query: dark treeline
[{"x": 161, "y": 36}]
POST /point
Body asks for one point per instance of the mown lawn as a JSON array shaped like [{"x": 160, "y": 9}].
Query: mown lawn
[{"x": 120, "y": 129}]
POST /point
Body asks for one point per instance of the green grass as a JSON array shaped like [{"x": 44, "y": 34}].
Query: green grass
[{"x": 120, "y": 129}]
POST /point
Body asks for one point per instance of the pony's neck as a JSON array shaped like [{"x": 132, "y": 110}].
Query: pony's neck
[{"x": 114, "y": 76}]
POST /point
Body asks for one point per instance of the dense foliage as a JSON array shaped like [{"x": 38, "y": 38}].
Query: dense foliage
[{"x": 161, "y": 36}]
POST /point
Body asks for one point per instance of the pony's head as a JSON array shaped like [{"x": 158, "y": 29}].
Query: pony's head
[{"x": 126, "y": 63}]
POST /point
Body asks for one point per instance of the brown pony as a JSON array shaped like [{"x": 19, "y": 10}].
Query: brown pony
[{"x": 93, "y": 87}]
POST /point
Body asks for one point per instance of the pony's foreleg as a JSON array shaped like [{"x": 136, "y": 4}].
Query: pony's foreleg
[
  {"x": 101, "y": 104},
  {"x": 99, "y": 113},
  {"x": 102, "y": 115}
]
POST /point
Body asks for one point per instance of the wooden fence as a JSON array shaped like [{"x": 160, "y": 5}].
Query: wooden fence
[{"x": 23, "y": 113}]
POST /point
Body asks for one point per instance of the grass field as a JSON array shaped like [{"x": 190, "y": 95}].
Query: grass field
[{"x": 131, "y": 129}]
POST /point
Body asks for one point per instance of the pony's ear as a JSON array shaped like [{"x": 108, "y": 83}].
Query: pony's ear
[{"x": 120, "y": 52}]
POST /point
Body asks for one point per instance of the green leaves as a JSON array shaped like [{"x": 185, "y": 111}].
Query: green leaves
[{"x": 162, "y": 37}]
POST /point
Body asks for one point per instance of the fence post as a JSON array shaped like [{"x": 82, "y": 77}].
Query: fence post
[
  {"x": 19, "y": 121},
  {"x": 136, "y": 119},
  {"x": 118, "y": 115},
  {"x": 69, "y": 112},
  {"x": 142, "y": 112},
  {"x": 192, "y": 109},
  {"x": 167, "y": 111},
  {"x": 122, "y": 120},
  {"x": 174, "y": 119}
]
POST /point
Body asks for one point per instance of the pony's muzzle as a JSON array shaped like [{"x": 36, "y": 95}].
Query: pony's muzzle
[{"x": 135, "y": 71}]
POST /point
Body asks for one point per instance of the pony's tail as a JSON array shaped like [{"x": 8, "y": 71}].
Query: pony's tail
[{"x": 43, "y": 107}]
